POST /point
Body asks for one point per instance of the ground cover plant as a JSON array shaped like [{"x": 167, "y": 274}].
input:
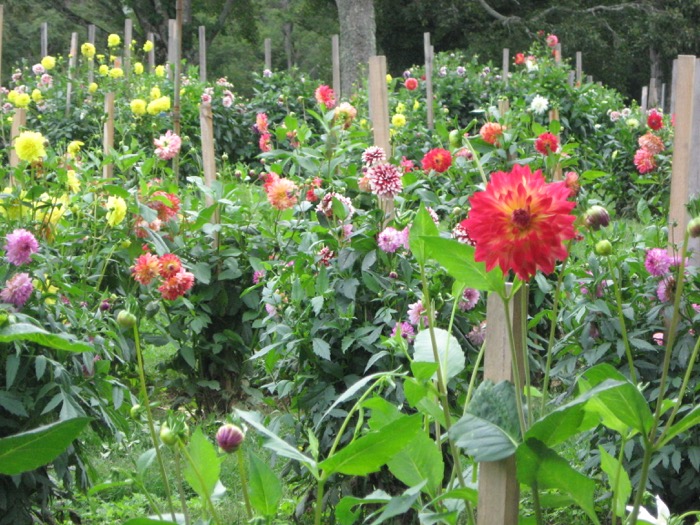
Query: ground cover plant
[{"x": 303, "y": 339}]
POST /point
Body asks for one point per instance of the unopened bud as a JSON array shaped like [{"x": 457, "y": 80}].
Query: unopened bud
[
  {"x": 603, "y": 248},
  {"x": 229, "y": 438},
  {"x": 597, "y": 217},
  {"x": 126, "y": 319},
  {"x": 694, "y": 227}
]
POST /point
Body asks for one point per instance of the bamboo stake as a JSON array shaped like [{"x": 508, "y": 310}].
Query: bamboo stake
[
  {"x": 428, "y": 52},
  {"x": 108, "y": 136},
  {"x": 202, "y": 54},
  {"x": 335, "y": 57}
]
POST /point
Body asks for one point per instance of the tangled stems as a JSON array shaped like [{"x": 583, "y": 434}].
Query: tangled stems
[
  {"x": 149, "y": 417},
  {"x": 652, "y": 443}
]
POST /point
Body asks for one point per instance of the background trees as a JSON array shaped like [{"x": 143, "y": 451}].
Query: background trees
[{"x": 623, "y": 42}]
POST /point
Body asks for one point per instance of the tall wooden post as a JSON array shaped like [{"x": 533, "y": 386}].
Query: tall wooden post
[
  {"x": 498, "y": 487},
  {"x": 674, "y": 83},
  {"x": 91, "y": 61},
  {"x": 506, "y": 64},
  {"x": 19, "y": 120},
  {"x": 151, "y": 37},
  {"x": 379, "y": 115},
  {"x": 206, "y": 122},
  {"x": 643, "y": 104},
  {"x": 335, "y": 57},
  {"x": 662, "y": 101},
  {"x": 685, "y": 180},
  {"x": 202, "y": 54},
  {"x": 2, "y": 25},
  {"x": 653, "y": 93},
  {"x": 72, "y": 63},
  {"x": 44, "y": 39},
  {"x": 428, "y": 52},
  {"x": 268, "y": 54},
  {"x": 128, "y": 37},
  {"x": 108, "y": 135},
  {"x": 571, "y": 79},
  {"x": 579, "y": 68}
]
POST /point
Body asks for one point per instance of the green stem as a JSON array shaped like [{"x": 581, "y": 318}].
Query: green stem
[
  {"x": 476, "y": 158},
  {"x": 615, "y": 489},
  {"x": 319, "y": 501},
  {"x": 244, "y": 483},
  {"x": 623, "y": 326},
  {"x": 526, "y": 359},
  {"x": 475, "y": 374},
  {"x": 536, "y": 503},
  {"x": 149, "y": 417},
  {"x": 553, "y": 332},
  {"x": 516, "y": 368},
  {"x": 180, "y": 488},
  {"x": 200, "y": 479}
]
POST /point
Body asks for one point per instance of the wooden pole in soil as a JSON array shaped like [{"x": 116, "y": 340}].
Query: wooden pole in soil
[
  {"x": 506, "y": 64},
  {"x": 172, "y": 53},
  {"x": 2, "y": 24},
  {"x": 674, "y": 82},
  {"x": 653, "y": 93},
  {"x": 19, "y": 120},
  {"x": 202, "y": 54},
  {"x": 72, "y": 63},
  {"x": 685, "y": 179},
  {"x": 379, "y": 116},
  {"x": 44, "y": 39},
  {"x": 645, "y": 97},
  {"x": 268, "y": 54},
  {"x": 572, "y": 78},
  {"x": 206, "y": 122},
  {"x": 579, "y": 68},
  {"x": 499, "y": 490},
  {"x": 91, "y": 60},
  {"x": 428, "y": 52},
  {"x": 662, "y": 102},
  {"x": 554, "y": 115},
  {"x": 128, "y": 37},
  {"x": 152, "y": 53},
  {"x": 108, "y": 135},
  {"x": 335, "y": 58}
]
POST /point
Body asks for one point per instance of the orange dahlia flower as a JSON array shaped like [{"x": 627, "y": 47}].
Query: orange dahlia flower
[
  {"x": 491, "y": 132},
  {"x": 437, "y": 159},
  {"x": 520, "y": 222}
]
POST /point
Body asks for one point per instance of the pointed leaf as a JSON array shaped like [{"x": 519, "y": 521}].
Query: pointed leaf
[
  {"x": 29, "y": 332},
  {"x": 265, "y": 486},
  {"x": 207, "y": 462},
  {"x": 344, "y": 513},
  {"x": 373, "y": 450},
  {"x": 538, "y": 464},
  {"x": 419, "y": 461},
  {"x": 618, "y": 480},
  {"x": 35, "y": 448},
  {"x": 691, "y": 419},
  {"x": 423, "y": 226}
]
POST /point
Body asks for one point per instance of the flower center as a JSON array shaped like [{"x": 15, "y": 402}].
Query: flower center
[{"x": 520, "y": 218}]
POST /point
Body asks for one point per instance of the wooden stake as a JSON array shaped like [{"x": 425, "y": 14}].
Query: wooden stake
[
  {"x": 503, "y": 106},
  {"x": 19, "y": 120},
  {"x": 72, "y": 62},
  {"x": 653, "y": 93},
  {"x": 579, "y": 68},
  {"x": 268, "y": 54},
  {"x": 206, "y": 122},
  {"x": 662, "y": 102},
  {"x": 108, "y": 138},
  {"x": 151, "y": 53},
  {"x": 172, "y": 44},
  {"x": 2, "y": 24},
  {"x": 379, "y": 116},
  {"x": 128, "y": 37},
  {"x": 335, "y": 57},
  {"x": 428, "y": 52},
  {"x": 498, "y": 486},
  {"x": 202, "y": 54},
  {"x": 684, "y": 176},
  {"x": 645, "y": 96},
  {"x": 674, "y": 82},
  {"x": 557, "y": 54},
  {"x": 572, "y": 77},
  {"x": 506, "y": 64},
  {"x": 176, "y": 82},
  {"x": 44, "y": 39},
  {"x": 91, "y": 61}
]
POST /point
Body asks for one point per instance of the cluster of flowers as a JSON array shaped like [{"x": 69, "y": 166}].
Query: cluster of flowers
[
  {"x": 650, "y": 144},
  {"x": 380, "y": 177},
  {"x": 281, "y": 192},
  {"x": 175, "y": 280},
  {"x": 167, "y": 205},
  {"x": 158, "y": 103},
  {"x": 226, "y": 99},
  {"x": 168, "y": 145},
  {"x": 325, "y": 96},
  {"x": 19, "y": 248},
  {"x": 261, "y": 128},
  {"x": 658, "y": 263}
]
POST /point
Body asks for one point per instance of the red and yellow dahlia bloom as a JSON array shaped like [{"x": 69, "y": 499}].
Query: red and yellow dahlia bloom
[
  {"x": 520, "y": 222},
  {"x": 437, "y": 159}
]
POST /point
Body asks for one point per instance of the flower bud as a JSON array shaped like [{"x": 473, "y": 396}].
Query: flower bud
[
  {"x": 694, "y": 227},
  {"x": 126, "y": 319},
  {"x": 603, "y": 248},
  {"x": 229, "y": 438},
  {"x": 135, "y": 411},
  {"x": 596, "y": 218},
  {"x": 168, "y": 436}
]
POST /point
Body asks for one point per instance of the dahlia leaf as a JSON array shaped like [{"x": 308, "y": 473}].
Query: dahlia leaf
[
  {"x": 423, "y": 226},
  {"x": 450, "y": 353}
]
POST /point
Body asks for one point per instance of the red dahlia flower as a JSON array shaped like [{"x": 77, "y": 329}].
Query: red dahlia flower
[
  {"x": 411, "y": 83},
  {"x": 520, "y": 222},
  {"x": 437, "y": 159},
  {"x": 655, "y": 120},
  {"x": 547, "y": 143},
  {"x": 325, "y": 96},
  {"x": 519, "y": 59}
]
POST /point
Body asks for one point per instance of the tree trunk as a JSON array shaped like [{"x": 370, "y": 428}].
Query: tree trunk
[{"x": 357, "y": 41}]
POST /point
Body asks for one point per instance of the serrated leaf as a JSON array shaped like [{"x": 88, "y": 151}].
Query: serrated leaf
[
  {"x": 450, "y": 353},
  {"x": 321, "y": 348},
  {"x": 32, "y": 449},
  {"x": 11, "y": 402},
  {"x": 265, "y": 486},
  {"x": 207, "y": 462},
  {"x": 29, "y": 332},
  {"x": 373, "y": 450},
  {"x": 317, "y": 304}
]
